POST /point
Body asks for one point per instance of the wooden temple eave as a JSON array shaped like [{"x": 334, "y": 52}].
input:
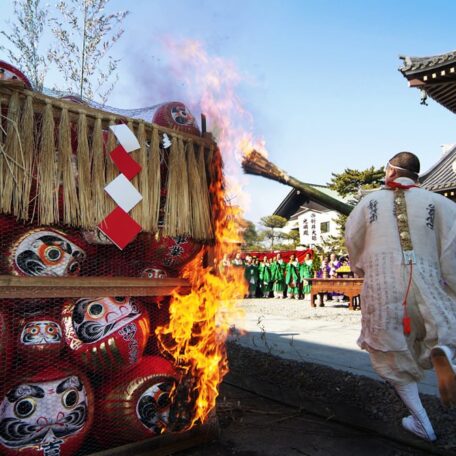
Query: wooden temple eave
[{"x": 436, "y": 77}]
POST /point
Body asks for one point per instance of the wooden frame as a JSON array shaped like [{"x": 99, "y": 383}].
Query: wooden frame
[{"x": 67, "y": 287}]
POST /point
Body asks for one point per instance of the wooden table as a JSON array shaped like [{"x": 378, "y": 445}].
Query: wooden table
[{"x": 349, "y": 287}]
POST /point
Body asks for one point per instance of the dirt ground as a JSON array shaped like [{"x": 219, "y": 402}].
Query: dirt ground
[
  {"x": 315, "y": 410},
  {"x": 255, "y": 426}
]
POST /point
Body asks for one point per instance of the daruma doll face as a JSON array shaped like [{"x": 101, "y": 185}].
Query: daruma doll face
[
  {"x": 54, "y": 412},
  {"x": 106, "y": 332},
  {"x": 40, "y": 340},
  {"x": 45, "y": 252},
  {"x": 139, "y": 405}
]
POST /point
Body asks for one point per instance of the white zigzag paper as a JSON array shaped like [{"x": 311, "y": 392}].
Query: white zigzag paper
[
  {"x": 123, "y": 192},
  {"x": 125, "y": 136}
]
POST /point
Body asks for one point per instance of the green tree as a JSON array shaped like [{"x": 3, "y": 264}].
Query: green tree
[
  {"x": 348, "y": 184},
  {"x": 272, "y": 222},
  {"x": 252, "y": 239},
  {"x": 290, "y": 240},
  {"x": 350, "y": 181}
]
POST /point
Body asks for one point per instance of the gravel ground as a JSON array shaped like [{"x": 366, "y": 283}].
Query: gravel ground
[
  {"x": 255, "y": 426},
  {"x": 329, "y": 392},
  {"x": 301, "y": 309}
]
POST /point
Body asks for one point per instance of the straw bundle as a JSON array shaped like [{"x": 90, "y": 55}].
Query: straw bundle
[
  {"x": 177, "y": 207},
  {"x": 98, "y": 174},
  {"x": 111, "y": 170},
  {"x": 33, "y": 124},
  {"x": 47, "y": 174},
  {"x": 201, "y": 228},
  {"x": 2, "y": 145},
  {"x": 84, "y": 178},
  {"x": 141, "y": 212},
  {"x": 22, "y": 199},
  {"x": 154, "y": 182},
  {"x": 12, "y": 155}
]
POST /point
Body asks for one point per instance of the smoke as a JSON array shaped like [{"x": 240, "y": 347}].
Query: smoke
[{"x": 206, "y": 83}]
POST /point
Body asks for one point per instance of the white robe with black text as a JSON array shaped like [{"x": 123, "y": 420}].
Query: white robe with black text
[{"x": 372, "y": 240}]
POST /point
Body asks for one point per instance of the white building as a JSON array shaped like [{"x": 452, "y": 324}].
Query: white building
[{"x": 314, "y": 221}]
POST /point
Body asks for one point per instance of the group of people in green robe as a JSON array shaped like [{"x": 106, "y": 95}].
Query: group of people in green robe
[{"x": 276, "y": 278}]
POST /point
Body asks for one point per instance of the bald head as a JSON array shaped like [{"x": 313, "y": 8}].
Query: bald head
[{"x": 406, "y": 164}]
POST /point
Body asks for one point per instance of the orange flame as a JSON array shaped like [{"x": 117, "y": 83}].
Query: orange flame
[{"x": 199, "y": 322}]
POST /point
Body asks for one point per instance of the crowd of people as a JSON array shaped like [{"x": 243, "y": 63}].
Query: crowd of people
[{"x": 273, "y": 277}]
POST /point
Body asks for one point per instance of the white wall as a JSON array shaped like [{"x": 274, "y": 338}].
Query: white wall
[{"x": 310, "y": 226}]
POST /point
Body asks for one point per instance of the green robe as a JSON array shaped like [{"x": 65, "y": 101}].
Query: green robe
[
  {"x": 292, "y": 277},
  {"x": 251, "y": 275},
  {"x": 264, "y": 273},
  {"x": 306, "y": 272},
  {"x": 277, "y": 271}
]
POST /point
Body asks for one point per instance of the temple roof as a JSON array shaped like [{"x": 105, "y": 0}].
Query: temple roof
[
  {"x": 435, "y": 75},
  {"x": 420, "y": 64},
  {"x": 295, "y": 199},
  {"x": 441, "y": 176}
]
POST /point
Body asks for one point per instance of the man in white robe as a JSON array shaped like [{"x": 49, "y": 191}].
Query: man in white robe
[{"x": 402, "y": 240}]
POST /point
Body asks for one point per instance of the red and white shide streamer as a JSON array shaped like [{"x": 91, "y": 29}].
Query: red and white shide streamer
[{"x": 119, "y": 226}]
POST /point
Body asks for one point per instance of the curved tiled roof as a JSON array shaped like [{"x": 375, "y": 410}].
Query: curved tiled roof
[
  {"x": 295, "y": 199},
  {"x": 418, "y": 64},
  {"x": 441, "y": 176}
]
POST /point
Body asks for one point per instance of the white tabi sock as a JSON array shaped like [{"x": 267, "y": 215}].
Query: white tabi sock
[{"x": 418, "y": 423}]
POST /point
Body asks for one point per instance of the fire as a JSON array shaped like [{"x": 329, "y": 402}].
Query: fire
[
  {"x": 199, "y": 322},
  {"x": 247, "y": 146}
]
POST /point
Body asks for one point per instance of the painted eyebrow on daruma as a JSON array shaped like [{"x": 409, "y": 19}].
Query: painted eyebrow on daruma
[{"x": 28, "y": 391}]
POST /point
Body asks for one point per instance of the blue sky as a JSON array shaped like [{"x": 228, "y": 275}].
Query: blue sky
[{"x": 319, "y": 78}]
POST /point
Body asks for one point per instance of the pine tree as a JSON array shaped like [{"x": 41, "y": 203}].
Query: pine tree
[
  {"x": 273, "y": 222},
  {"x": 348, "y": 184}
]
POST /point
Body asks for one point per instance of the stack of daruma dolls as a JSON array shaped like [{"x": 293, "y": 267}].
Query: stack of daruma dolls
[{"x": 81, "y": 374}]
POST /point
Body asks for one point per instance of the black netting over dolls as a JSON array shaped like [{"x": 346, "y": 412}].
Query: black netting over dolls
[
  {"x": 84, "y": 374},
  {"x": 80, "y": 375}
]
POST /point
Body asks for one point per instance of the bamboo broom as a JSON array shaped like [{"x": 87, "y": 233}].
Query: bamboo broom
[{"x": 258, "y": 165}]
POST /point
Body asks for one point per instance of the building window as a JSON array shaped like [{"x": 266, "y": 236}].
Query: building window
[{"x": 324, "y": 227}]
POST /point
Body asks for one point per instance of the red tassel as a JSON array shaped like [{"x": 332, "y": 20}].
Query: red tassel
[{"x": 406, "y": 325}]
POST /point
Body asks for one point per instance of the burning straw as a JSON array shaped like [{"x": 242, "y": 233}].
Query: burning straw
[{"x": 199, "y": 322}]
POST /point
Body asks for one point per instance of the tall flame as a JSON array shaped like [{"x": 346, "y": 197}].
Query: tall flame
[{"x": 199, "y": 322}]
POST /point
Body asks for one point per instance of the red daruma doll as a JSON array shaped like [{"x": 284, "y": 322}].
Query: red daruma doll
[
  {"x": 45, "y": 413},
  {"x": 106, "y": 333},
  {"x": 5, "y": 347},
  {"x": 45, "y": 252},
  {"x": 137, "y": 405},
  {"x": 40, "y": 339}
]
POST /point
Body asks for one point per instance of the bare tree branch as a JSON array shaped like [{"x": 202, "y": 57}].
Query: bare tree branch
[
  {"x": 84, "y": 36},
  {"x": 24, "y": 37}
]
